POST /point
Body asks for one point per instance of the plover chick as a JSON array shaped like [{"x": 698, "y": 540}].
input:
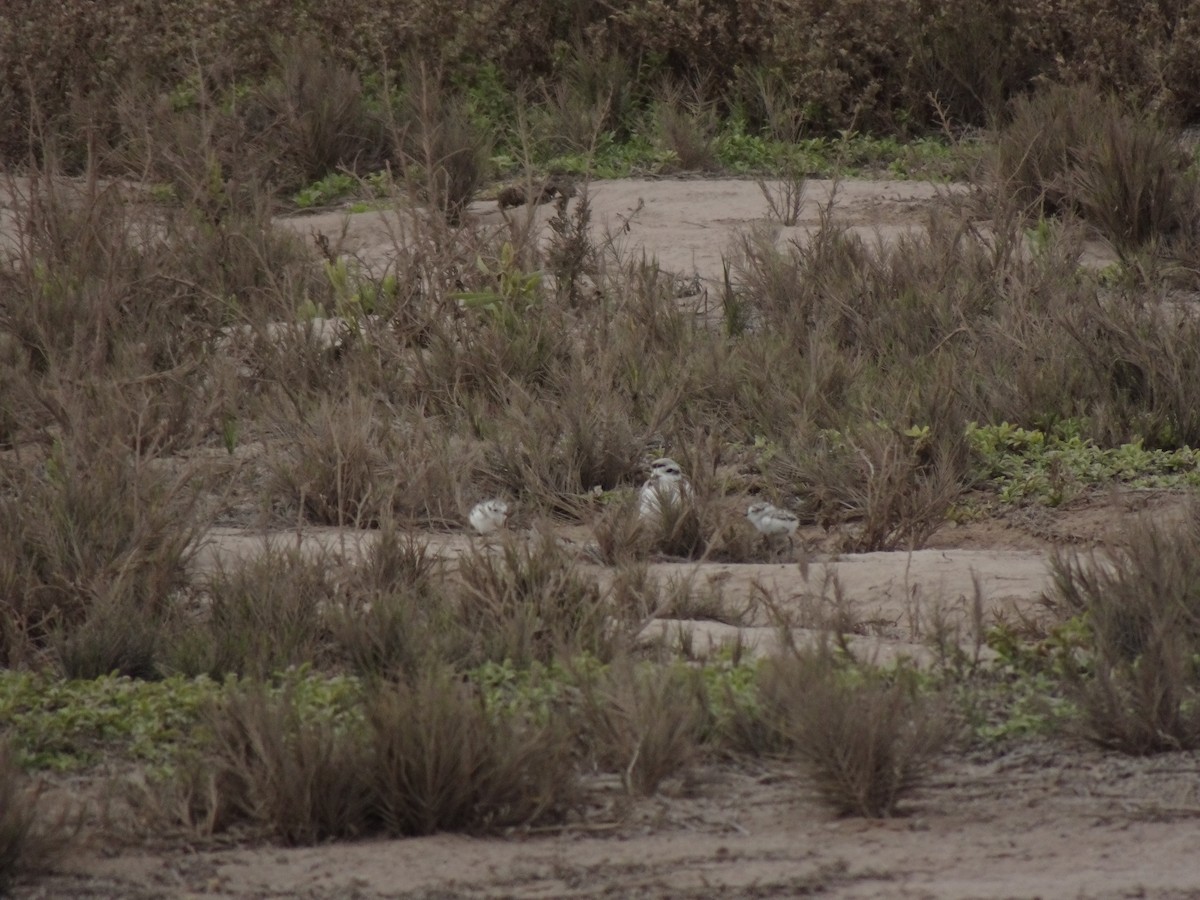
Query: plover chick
[
  {"x": 488, "y": 516},
  {"x": 771, "y": 521},
  {"x": 666, "y": 484}
]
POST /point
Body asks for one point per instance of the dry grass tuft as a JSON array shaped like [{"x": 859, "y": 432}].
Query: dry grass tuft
[
  {"x": 29, "y": 840},
  {"x": 1073, "y": 150},
  {"x": 407, "y": 758},
  {"x": 527, "y": 601},
  {"x": 91, "y": 539},
  {"x": 887, "y": 489},
  {"x": 620, "y": 533},
  {"x": 866, "y": 739},
  {"x": 334, "y": 466},
  {"x": 1133, "y": 185},
  {"x": 1139, "y": 682},
  {"x": 319, "y": 115},
  {"x": 445, "y": 762},
  {"x": 256, "y": 617},
  {"x": 643, "y": 721},
  {"x": 393, "y": 615},
  {"x": 304, "y": 778}
]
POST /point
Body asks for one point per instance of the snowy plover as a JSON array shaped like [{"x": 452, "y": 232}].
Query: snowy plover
[
  {"x": 666, "y": 484},
  {"x": 488, "y": 516},
  {"x": 771, "y": 521}
]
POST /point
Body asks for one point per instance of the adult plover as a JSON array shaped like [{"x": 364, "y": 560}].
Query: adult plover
[
  {"x": 488, "y": 516},
  {"x": 666, "y": 485}
]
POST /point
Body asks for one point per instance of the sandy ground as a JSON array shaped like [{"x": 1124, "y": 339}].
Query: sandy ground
[
  {"x": 1048, "y": 821},
  {"x": 1037, "y": 820}
]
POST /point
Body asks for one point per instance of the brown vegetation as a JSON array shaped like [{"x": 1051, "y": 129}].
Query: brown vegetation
[{"x": 171, "y": 357}]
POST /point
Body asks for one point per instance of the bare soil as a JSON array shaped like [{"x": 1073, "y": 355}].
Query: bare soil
[{"x": 1035, "y": 819}]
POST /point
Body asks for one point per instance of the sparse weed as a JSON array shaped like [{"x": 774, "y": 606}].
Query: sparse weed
[
  {"x": 570, "y": 253},
  {"x": 687, "y": 126},
  {"x": 683, "y": 599},
  {"x": 445, "y": 151},
  {"x": 785, "y": 196}
]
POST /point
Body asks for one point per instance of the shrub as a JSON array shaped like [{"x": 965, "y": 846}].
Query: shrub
[
  {"x": 320, "y": 116},
  {"x": 29, "y": 840},
  {"x": 1072, "y": 150},
  {"x": 1037, "y": 148},
  {"x": 866, "y": 739},
  {"x": 305, "y": 776},
  {"x": 89, "y": 538},
  {"x": 594, "y": 95},
  {"x": 1132, "y": 185},
  {"x": 849, "y": 63},
  {"x": 854, "y": 65},
  {"x": 644, "y": 721},
  {"x": 443, "y": 761},
  {"x": 1138, "y": 682},
  {"x": 333, "y": 467},
  {"x": 258, "y": 616},
  {"x": 528, "y": 602}
]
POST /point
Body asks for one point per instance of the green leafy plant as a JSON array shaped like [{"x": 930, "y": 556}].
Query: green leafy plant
[
  {"x": 516, "y": 294},
  {"x": 65, "y": 725},
  {"x": 1053, "y": 467}
]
